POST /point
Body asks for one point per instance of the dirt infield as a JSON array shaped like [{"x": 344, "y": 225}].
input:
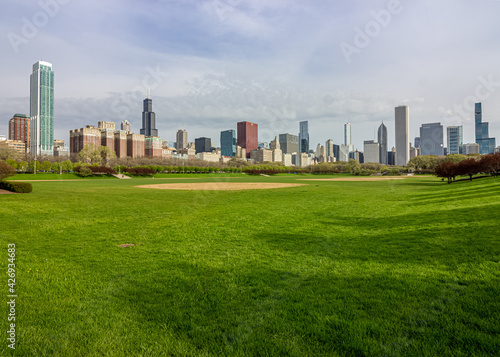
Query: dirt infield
[
  {"x": 5, "y": 192},
  {"x": 220, "y": 186},
  {"x": 357, "y": 178}
]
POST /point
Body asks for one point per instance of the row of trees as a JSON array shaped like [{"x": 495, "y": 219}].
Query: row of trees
[{"x": 487, "y": 164}]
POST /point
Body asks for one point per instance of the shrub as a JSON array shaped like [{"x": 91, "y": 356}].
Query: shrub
[
  {"x": 19, "y": 187},
  {"x": 6, "y": 170}
]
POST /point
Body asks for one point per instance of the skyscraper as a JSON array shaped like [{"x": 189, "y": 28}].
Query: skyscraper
[
  {"x": 19, "y": 128},
  {"x": 42, "y": 109},
  {"x": 148, "y": 119},
  {"x": 347, "y": 137},
  {"x": 289, "y": 143},
  {"x": 203, "y": 145},
  {"x": 304, "y": 136},
  {"x": 431, "y": 139},
  {"x": 486, "y": 144},
  {"x": 228, "y": 143},
  {"x": 402, "y": 124},
  {"x": 248, "y": 136},
  {"x": 125, "y": 126},
  {"x": 382, "y": 140},
  {"x": 182, "y": 139},
  {"x": 371, "y": 151},
  {"x": 454, "y": 139}
]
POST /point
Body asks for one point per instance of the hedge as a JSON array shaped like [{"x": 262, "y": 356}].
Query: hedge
[{"x": 19, "y": 187}]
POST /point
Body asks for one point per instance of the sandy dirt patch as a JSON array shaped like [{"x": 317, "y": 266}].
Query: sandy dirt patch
[
  {"x": 220, "y": 186},
  {"x": 357, "y": 178},
  {"x": 5, "y": 192}
]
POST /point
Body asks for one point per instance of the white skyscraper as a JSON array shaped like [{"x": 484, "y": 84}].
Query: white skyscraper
[
  {"x": 42, "y": 109},
  {"x": 402, "y": 123}
]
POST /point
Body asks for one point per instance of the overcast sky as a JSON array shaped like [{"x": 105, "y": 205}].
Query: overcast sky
[{"x": 210, "y": 64}]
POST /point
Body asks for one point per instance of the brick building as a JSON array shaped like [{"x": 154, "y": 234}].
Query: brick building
[{"x": 19, "y": 128}]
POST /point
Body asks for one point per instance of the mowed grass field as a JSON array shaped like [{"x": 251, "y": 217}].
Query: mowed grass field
[{"x": 392, "y": 268}]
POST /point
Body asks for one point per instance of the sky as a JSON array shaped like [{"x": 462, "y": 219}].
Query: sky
[{"x": 212, "y": 63}]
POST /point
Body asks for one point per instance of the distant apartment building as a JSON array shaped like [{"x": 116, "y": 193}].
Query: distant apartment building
[
  {"x": 431, "y": 139},
  {"x": 371, "y": 151},
  {"x": 153, "y": 146},
  {"x": 182, "y": 139},
  {"x": 16, "y": 145},
  {"x": 228, "y": 143},
  {"x": 247, "y": 136},
  {"x": 261, "y": 155},
  {"x": 454, "y": 139},
  {"x": 203, "y": 145},
  {"x": 19, "y": 129},
  {"x": 135, "y": 145},
  {"x": 289, "y": 143}
]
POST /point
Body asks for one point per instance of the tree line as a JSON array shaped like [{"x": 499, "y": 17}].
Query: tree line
[{"x": 486, "y": 164}]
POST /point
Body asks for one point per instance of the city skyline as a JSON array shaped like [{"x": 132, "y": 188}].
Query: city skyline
[{"x": 256, "y": 62}]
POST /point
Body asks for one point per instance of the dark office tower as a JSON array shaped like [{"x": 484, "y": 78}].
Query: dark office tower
[
  {"x": 417, "y": 142},
  {"x": 382, "y": 140},
  {"x": 289, "y": 143},
  {"x": 203, "y": 145},
  {"x": 148, "y": 119},
  {"x": 304, "y": 137},
  {"x": 228, "y": 143},
  {"x": 248, "y": 136},
  {"x": 486, "y": 144},
  {"x": 431, "y": 136}
]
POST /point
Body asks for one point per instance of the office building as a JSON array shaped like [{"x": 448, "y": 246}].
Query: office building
[
  {"x": 42, "y": 109},
  {"x": 347, "y": 137},
  {"x": 431, "y": 139},
  {"x": 336, "y": 151},
  {"x": 247, "y": 136},
  {"x": 289, "y": 143},
  {"x": 417, "y": 142},
  {"x": 153, "y": 146},
  {"x": 182, "y": 139},
  {"x": 125, "y": 125},
  {"x": 486, "y": 144},
  {"x": 470, "y": 148},
  {"x": 343, "y": 153},
  {"x": 148, "y": 119},
  {"x": 228, "y": 143},
  {"x": 382, "y": 140},
  {"x": 391, "y": 157},
  {"x": 276, "y": 149},
  {"x": 203, "y": 145},
  {"x": 304, "y": 136},
  {"x": 454, "y": 139},
  {"x": 19, "y": 129},
  {"x": 402, "y": 125},
  {"x": 371, "y": 151},
  {"x": 261, "y": 155}
]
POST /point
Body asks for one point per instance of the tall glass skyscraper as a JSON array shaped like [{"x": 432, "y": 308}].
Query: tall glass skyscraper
[
  {"x": 347, "y": 137},
  {"x": 42, "y": 109},
  {"x": 455, "y": 139},
  {"x": 304, "y": 136},
  {"x": 228, "y": 143},
  {"x": 148, "y": 119},
  {"x": 431, "y": 139},
  {"x": 486, "y": 144},
  {"x": 382, "y": 140}
]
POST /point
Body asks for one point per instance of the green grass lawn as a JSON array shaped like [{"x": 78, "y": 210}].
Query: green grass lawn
[{"x": 392, "y": 268}]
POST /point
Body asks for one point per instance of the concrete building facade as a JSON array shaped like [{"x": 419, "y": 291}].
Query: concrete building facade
[{"x": 402, "y": 125}]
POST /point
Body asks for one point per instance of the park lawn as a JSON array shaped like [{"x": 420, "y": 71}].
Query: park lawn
[{"x": 392, "y": 268}]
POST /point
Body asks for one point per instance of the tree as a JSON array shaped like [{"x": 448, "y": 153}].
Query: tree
[
  {"x": 96, "y": 154},
  {"x": 45, "y": 166},
  {"x": 67, "y": 166},
  {"x": 22, "y": 166},
  {"x": 469, "y": 167},
  {"x": 12, "y": 163},
  {"x": 8, "y": 153},
  {"x": 447, "y": 170},
  {"x": 55, "y": 166},
  {"x": 6, "y": 170}
]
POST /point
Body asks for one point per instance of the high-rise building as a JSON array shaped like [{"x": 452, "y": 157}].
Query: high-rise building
[
  {"x": 470, "y": 148},
  {"x": 486, "y": 144},
  {"x": 343, "y": 153},
  {"x": 182, "y": 139},
  {"x": 402, "y": 124},
  {"x": 148, "y": 119},
  {"x": 336, "y": 151},
  {"x": 329, "y": 148},
  {"x": 347, "y": 134},
  {"x": 431, "y": 139},
  {"x": 248, "y": 136},
  {"x": 371, "y": 151},
  {"x": 454, "y": 139},
  {"x": 417, "y": 142},
  {"x": 42, "y": 109},
  {"x": 382, "y": 140},
  {"x": 153, "y": 146},
  {"x": 19, "y": 128},
  {"x": 203, "y": 145},
  {"x": 125, "y": 126},
  {"x": 304, "y": 136},
  {"x": 289, "y": 143},
  {"x": 391, "y": 157},
  {"x": 228, "y": 143}
]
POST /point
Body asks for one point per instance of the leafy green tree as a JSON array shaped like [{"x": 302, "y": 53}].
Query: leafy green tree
[
  {"x": 45, "y": 166},
  {"x": 67, "y": 166},
  {"x": 8, "y": 153},
  {"x": 55, "y": 166},
  {"x": 85, "y": 171},
  {"x": 6, "y": 170},
  {"x": 12, "y": 163},
  {"x": 22, "y": 166},
  {"x": 96, "y": 154}
]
